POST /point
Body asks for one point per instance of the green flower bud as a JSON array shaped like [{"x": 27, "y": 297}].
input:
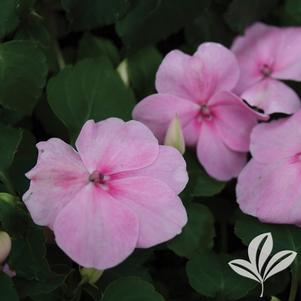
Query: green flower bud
[
  {"x": 123, "y": 71},
  {"x": 90, "y": 275},
  {"x": 5, "y": 246},
  {"x": 174, "y": 136}
]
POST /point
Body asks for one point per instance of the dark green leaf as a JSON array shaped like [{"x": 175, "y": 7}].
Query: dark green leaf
[
  {"x": 13, "y": 218},
  {"x": 92, "y": 13},
  {"x": 8, "y": 17},
  {"x": 293, "y": 10},
  {"x": 7, "y": 290},
  {"x": 23, "y": 70},
  {"x": 198, "y": 233},
  {"x": 91, "y": 46},
  {"x": 130, "y": 289},
  {"x": 210, "y": 275},
  {"x": 148, "y": 22},
  {"x": 142, "y": 68},
  {"x": 240, "y": 14},
  {"x": 200, "y": 183},
  {"x": 91, "y": 89}
]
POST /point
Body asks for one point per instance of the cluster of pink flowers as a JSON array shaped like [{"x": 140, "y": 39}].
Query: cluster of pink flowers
[{"x": 118, "y": 190}]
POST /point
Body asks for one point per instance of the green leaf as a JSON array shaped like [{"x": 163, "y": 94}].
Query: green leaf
[
  {"x": 200, "y": 183},
  {"x": 292, "y": 9},
  {"x": 93, "y": 13},
  {"x": 198, "y": 233},
  {"x": 210, "y": 275},
  {"x": 27, "y": 257},
  {"x": 148, "y": 22},
  {"x": 208, "y": 27},
  {"x": 8, "y": 17},
  {"x": 18, "y": 151},
  {"x": 285, "y": 237},
  {"x": 23, "y": 70},
  {"x": 91, "y": 89},
  {"x": 8, "y": 292},
  {"x": 130, "y": 289},
  {"x": 240, "y": 14},
  {"x": 13, "y": 218},
  {"x": 142, "y": 68},
  {"x": 90, "y": 46}
]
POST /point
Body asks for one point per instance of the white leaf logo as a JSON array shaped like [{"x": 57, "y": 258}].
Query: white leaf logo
[{"x": 259, "y": 268}]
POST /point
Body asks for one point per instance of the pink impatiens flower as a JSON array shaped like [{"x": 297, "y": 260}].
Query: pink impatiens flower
[
  {"x": 269, "y": 186},
  {"x": 118, "y": 191},
  {"x": 196, "y": 89},
  {"x": 266, "y": 54}
]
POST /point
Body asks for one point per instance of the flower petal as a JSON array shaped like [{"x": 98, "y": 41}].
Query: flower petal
[
  {"x": 113, "y": 145},
  {"x": 255, "y": 48},
  {"x": 95, "y": 230},
  {"x": 234, "y": 120},
  {"x": 271, "y": 192},
  {"x": 280, "y": 139},
  {"x": 288, "y": 54},
  {"x": 272, "y": 96},
  {"x": 55, "y": 180},
  {"x": 157, "y": 111},
  {"x": 169, "y": 167},
  {"x": 182, "y": 75},
  {"x": 221, "y": 69},
  {"x": 219, "y": 161},
  {"x": 161, "y": 213}
]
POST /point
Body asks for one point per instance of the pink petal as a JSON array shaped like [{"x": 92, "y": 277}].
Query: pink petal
[
  {"x": 55, "y": 180},
  {"x": 95, "y": 230},
  {"x": 182, "y": 75},
  {"x": 271, "y": 192},
  {"x": 191, "y": 132},
  {"x": 234, "y": 120},
  {"x": 221, "y": 69},
  {"x": 272, "y": 96},
  {"x": 169, "y": 167},
  {"x": 288, "y": 54},
  {"x": 277, "y": 140},
  {"x": 113, "y": 145},
  {"x": 219, "y": 161},
  {"x": 161, "y": 213},
  {"x": 253, "y": 49},
  {"x": 156, "y": 111}
]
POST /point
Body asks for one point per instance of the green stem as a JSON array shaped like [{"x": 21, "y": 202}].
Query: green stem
[
  {"x": 59, "y": 56},
  {"x": 7, "y": 183},
  {"x": 294, "y": 283}
]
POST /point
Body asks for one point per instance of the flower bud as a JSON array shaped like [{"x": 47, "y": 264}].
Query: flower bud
[
  {"x": 5, "y": 246},
  {"x": 6, "y": 269},
  {"x": 122, "y": 69},
  {"x": 174, "y": 135},
  {"x": 90, "y": 275},
  {"x": 275, "y": 299}
]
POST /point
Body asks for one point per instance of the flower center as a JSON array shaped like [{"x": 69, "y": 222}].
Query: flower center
[
  {"x": 266, "y": 70},
  {"x": 99, "y": 179},
  {"x": 204, "y": 113}
]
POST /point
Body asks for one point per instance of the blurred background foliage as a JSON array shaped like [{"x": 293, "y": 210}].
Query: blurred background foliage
[{"x": 60, "y": 65}]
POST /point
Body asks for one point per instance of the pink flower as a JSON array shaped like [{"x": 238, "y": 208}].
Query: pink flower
[
  {"x": 269, "y": 186},
  {"x": 196, "y": 88},
  {"x": 118, "y": 191},
  {"x": 266, "y": 54}
]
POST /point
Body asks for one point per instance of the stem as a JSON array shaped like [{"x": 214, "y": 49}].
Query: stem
[
  {"x": 7, "y": 183},
  {"x": 294, "y": 283},
  {"x": 59, "y": 56}
]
